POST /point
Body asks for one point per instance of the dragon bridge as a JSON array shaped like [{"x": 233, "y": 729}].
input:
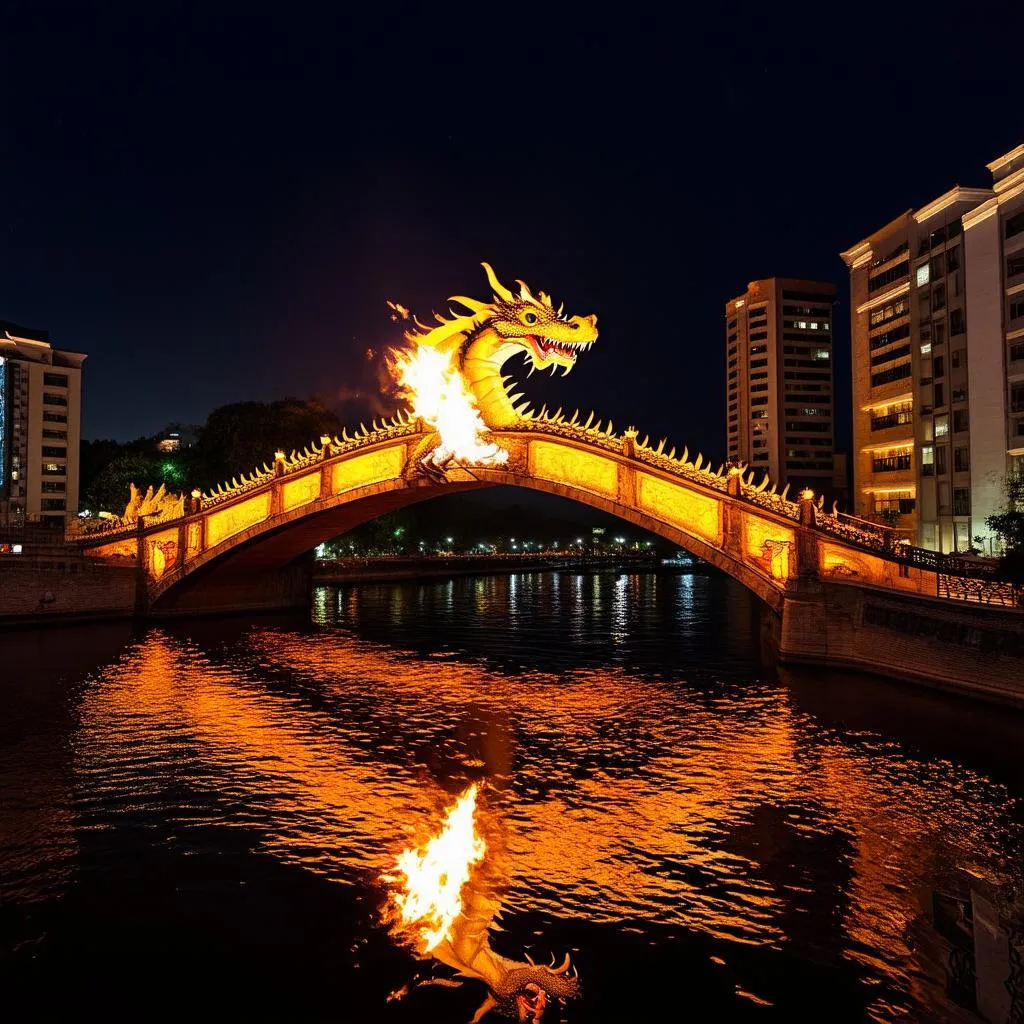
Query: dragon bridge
[{"x": 241, "y": 546}]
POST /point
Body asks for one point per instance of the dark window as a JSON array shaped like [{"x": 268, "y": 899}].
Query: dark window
[
  {"x": 961, "y": 459},
  {"x": 889, "y": 276},
  {"x": 960, "y": 420},
  {"x": 55, "y": 417},
  {"x": 888, "y": 357},
  {"x": 1017, "y": 352},
  {"x": 956, "y": 358},
  {"x": 940, "y": 394},
  {"x": 49, "y": 399},
  {"x": 938, "y": 367},
  {"x": 758, "y": 335},
  {"x": 52, "y": 504},
  {"x": 55, "y": 380},
  {"x": 888, "y": 337},
  {"x": 952, "y": 259},
  {"x": 1017, "y": 398},
  {"x": 939, "y": 297},
  {"x": 758, "y": 362},
  {"x": 1017, "y": 309},
  {"x": 807, "y": 296},
  {"x": 54, "y": 452},
  {"x": 888, "y": 376},
  {"x": 53, "y": 486},
  {"x": 1015, "y": 265},
  {"x": 956, "y": 322},
  {"x": 961, "y": 501},
  {"x": 941, "y": 462},
  {"x": 759, "y": 387},
  {"x": 55, "y": 435},
  {"x": 890, "y": 463},
  {"x": 1015, "y": 224},
  {"x": 759, "y": 401}
]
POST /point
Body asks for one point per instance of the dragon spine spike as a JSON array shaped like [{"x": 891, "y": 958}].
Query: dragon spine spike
[
  {"x": 720, "y": 468},
  {"x": 375, "y": 427},
  {"x": 543, "y": 414},
  {"x": 699, "y": 462},
  {"x": 672, "y": 454},
  {"x": 821, "y": 501},
  {"x": 609, "y": 429},
  {"x": 686, "y": 454},
  {"x": 344, "y": 434},
  {"x": 575, "y": 418},
  {"x": 590, "y": 419},
  {"x": 596, "y": 429},
  {"x": 661, "y": 446},
  {"x": 514, "y": 398},
  {"x": 785, "y": 491},
  {"x": 763, "y": 484},
  {"x": 507, "y": 380},
  {"x": 644, "y": 442},
  {"x": 558, "y": 418},
  {"x": 772, "y": 490},
  {"x": 524, "y": 410},
  {"x": 835, "y": 507}
]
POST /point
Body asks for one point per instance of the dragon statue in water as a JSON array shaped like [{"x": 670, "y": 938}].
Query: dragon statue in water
[{"x": 481, "y": 341}]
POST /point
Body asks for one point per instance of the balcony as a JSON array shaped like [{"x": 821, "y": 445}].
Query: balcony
[
  {"x": 891, "y": 463},
  {"x": 892, "y": 419}
]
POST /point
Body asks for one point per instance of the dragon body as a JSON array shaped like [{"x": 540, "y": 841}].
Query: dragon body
[{"x": 482, "y": 340}]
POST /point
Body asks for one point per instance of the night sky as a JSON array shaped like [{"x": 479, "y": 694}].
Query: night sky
[{"x": 215, "y": 206}]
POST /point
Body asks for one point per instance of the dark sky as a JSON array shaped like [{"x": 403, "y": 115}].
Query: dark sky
[{"x": 214, "y": 206}]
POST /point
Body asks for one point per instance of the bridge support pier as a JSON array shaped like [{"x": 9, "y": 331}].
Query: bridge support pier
[{"x": 258, "y": 590}]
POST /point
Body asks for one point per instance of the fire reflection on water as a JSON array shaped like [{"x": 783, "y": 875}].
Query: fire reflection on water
[{"x": 624, "y": 798}]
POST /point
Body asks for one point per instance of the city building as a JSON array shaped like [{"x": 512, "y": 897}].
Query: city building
[
  {"x": 778, "y": 345},
  {"x": 937, "y": 329},
  {"x": 40, "y": 428}
]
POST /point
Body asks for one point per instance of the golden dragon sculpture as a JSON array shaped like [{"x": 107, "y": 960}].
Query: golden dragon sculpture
[{"x": 481, "y": 341}]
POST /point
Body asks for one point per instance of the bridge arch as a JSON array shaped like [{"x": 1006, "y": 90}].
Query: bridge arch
[{"x": 242, "y": 548}]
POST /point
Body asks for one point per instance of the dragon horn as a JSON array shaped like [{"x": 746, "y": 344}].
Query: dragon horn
[
  {"x": 525, "y": 294},
  {"x": 545, "y": 298},
  {"x": 499, "y": 289},
  {"x": 529, "y": 959},
  {"x": 563, "y": 967},
  {"x": 470, "y": 304}
]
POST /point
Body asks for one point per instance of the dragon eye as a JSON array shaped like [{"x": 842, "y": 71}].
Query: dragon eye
[{"x": 529, "y": 318}]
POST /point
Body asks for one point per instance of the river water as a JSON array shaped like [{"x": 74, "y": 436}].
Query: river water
[{"x": 194, "y": 818}]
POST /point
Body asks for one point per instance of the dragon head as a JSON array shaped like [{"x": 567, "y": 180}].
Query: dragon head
[{"x": 531, "y": 324}]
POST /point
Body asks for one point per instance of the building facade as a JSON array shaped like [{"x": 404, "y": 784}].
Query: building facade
[
  {"x": 779, "y": 387},
  {"x": 40, "y": 428},
  {"x": 937, "y": 330}
]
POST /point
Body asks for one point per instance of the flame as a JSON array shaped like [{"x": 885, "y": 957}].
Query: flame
[
  {"x": 439, "y": 395},
  {"x": 432, "y": 878}
]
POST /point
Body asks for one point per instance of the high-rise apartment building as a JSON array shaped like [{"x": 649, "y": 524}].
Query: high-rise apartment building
[
  {"x": 937, "y": 328},
  {"x": 40, "y": 417},
  {"x": 778, "y": 367}
]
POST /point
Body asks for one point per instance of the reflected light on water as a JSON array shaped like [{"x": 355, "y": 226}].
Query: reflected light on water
[{"x": 645, "y": 785}]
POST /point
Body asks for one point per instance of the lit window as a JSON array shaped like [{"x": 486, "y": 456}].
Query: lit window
[
  {"x": 927, "y": 454},
  {"x": 814, "y": 325},
  {"x": 922, "y": 275},
  {"x": 941, "y": 426},
  {"x": 926, "y": 348},
  {"x": 802, "y": 324}
]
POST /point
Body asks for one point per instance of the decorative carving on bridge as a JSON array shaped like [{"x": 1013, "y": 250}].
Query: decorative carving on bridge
[{"x": 152, "y": 505}]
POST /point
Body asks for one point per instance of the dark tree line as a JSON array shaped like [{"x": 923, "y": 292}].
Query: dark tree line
[{"x": 235, "y": 439}]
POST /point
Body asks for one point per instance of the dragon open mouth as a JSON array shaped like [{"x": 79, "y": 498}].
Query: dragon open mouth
[{"x": 549, "y": 346}]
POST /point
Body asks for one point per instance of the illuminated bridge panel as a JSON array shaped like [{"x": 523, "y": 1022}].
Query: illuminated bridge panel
[
  {"x": 697, "y": 514},
  {"x": 371, "y": 468},
  {"x": 577, "y": 468},
  {"x": 300, "y": 491},
  {"x": 228, "y": 521}
]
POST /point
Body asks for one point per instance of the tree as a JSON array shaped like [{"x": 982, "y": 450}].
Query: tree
[
  {"x": 108, "y": 491},
  {"x": 239, "y": 437},
  {"x": 1009, "y": 527}
]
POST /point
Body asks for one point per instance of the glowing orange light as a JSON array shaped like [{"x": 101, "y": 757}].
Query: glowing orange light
[
  {"x": 440, "y": 396},
  {"x": 432, "y": 878}
]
